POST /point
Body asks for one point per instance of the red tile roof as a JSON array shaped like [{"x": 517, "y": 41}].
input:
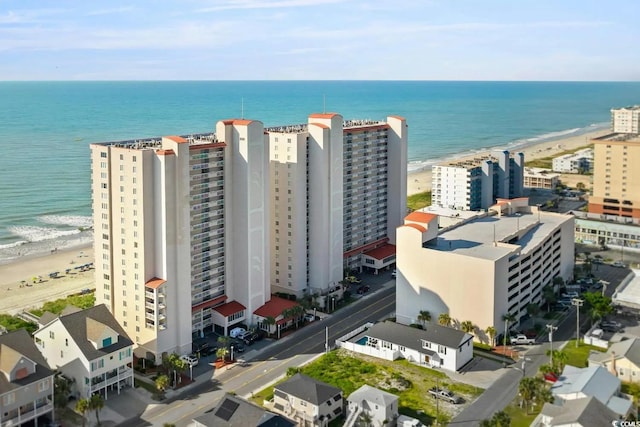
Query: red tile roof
[
  {"x": 416, "y": 226},
  {"x": 274, "y": 307},
  {"x": 320, "y": 125},
  {"x": 420, "y": 217},
  {"x": 363, "y": 248},
  {"x": 382, "y": 252},
  {"x": 155, "y": 283},
  {"x": 178, "y": 139},
  {"x": 322, "y": 115},
  {"x": 210, "y": 303},
  {"x": 230, "y": 308}
]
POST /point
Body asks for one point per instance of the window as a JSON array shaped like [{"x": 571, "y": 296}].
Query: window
[
  {"x": 66, "y": 342},
  {"x": 52, "y": 335},
  {"x": 43, "y": 385},
  {"x": 9, "y": 398}
]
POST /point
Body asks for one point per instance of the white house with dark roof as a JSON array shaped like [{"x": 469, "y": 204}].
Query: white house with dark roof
[
  {"x": 621, "y": 359},
  {"x": 26, "y": 382},
  {"x": 90, "y": 347},
  {"x": 307, "y": 401},
  {"x": 435, "y": 346},
  {"x": 596, "y": 381},
  {"x": 234, "y": 411},
  {"x": 380, "y": 406},
  {"x": 583, "y": 412}
]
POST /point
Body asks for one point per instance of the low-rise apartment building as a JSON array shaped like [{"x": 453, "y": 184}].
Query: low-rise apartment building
[
  {"x": 483, "y": 267},
  {"x": 540, "y": 178},
  {"x": 26, "y": 381},
  {"x": 89, "y": 347},
  {"x": 579, "y": 162}
]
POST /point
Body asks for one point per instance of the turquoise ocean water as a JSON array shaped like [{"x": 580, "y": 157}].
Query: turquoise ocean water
[{"x": 46, "y": 128}]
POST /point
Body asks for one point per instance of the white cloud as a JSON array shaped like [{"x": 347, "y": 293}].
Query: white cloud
[
  {"x": 112, "y": 11},
  {"x": 266, "y": 4}
]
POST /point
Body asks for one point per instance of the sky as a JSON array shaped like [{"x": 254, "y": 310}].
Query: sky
[{"x": 564, "y": 40}]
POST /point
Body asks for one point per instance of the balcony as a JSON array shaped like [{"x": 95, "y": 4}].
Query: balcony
[{"x": 21, "y": 418}]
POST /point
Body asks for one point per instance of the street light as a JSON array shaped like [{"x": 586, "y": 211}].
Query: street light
[
  {"x": 191, "y": 371},
  {"x": 604, "y": 286},
  {"x": 577, "y": 302},
  {"x": 232, "y": 353},
  {"x": 551, "y": 328},
  {"x": 524, "y": 361},
  {"x": 333, "y": 304}
]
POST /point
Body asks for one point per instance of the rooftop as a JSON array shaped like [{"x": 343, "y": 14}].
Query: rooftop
[
  {"x": 155, "y": 143},
  {"x": 618, "y": 137},
  {"x": 476, "y": 237}
]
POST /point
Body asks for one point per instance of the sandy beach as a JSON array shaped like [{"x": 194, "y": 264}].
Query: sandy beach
[
  {"x": 16, "y": 295},
  {"x": 420, "y": 181},
  {"x": 19, "y": 291}
]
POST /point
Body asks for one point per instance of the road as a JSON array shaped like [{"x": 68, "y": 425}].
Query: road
[{"x": 271, "y": 364}]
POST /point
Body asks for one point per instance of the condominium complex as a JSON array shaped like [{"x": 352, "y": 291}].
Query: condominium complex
[
  {"x": 475, "y": 184},
  {"x": 338, "y": 190},
  {"x": 616, "y": 176},
  {"x": 195, "y": 232},
  {"x": 182, "y": 233},
  {"x": 579, "y": 162},
  {"x": 540, "y": 178},
  {"x": 481, "y": 268},
  {"x": 626, "y": 120}
]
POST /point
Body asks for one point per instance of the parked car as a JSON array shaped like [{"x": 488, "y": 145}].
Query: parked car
[
  {"x": 619, "y": 264},
  {"x": 191, "y": 359},
  {"x": 363, "y": 289},
  {"x": 236, "y": 332},
  {"x": 610, "y": 326},
  {"x": 522, "y": 339},
  {"x": 444, "y": 394},
  {"x": 250, "y": 338},
  {"x": 570, "y": 295},
  {"x": 309, "y": 317},
  {"x": 238, "y": 347},
  {"x": 394, "y": 273}
]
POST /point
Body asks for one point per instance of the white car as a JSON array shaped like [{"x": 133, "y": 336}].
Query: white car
[
  {"x": 190, "y": 359},
  {"x": 394, "y": 273},
  {"x": 237, "y": 332},
  {"x": 619, "y": 264},
  {"x": 309, "y": 317}
]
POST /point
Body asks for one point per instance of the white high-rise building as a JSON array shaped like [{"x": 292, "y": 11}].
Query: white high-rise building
[
  {"x": 338, "y": 190},
  {"x": 626, "y": 120},
  {"x": 178, "y": 248}
]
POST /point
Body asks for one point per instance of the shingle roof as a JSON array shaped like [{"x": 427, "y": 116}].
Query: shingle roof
[
  {"x": 629, "y": 349},
  {"x": 79, "y": 326},
  {"x": 372, "y": 394},
  {"x": 21, "y": 342},
  {"x": 411, "y": 337},
  {"x": 242, "y": 414},
  {"x": 587, "y": 411},
  {"x": 308, "y": 389},
  {"x": 593, "y": 381}
]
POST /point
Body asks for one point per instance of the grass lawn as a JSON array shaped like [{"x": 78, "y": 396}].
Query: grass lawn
[
  {"x": 419, "y": 200},
  {"x": 406, "y": 380},
  {"x": 579, "y": 356},
  {"x": 518, "y": 416}
]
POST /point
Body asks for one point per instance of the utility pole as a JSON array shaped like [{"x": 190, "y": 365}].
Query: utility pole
[
  {"x": 577, "y": 302},
  {"x": 551, "y": 328},
  {"x": 326, "y": 339},
  {"x": 437, "y": 401}
]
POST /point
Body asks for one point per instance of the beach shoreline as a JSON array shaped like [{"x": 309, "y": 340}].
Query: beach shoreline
[
  {"x": 419, "y": 181},
  {"x": 17, "y": 289}
]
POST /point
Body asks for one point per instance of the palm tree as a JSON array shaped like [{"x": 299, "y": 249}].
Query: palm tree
[
  {"x": 221, "y": 353},
  {"x": 298, "y": 312},
  {"x": 467, "y": 326},
  {"x": 507, "y": 317},
  {"x": 62, "y": 391},
  {"x": 528, "y": 390},
  {"x": 533, "y": 310},
  {"x": 365, "y": 419},
  {"x": 549, "y": 295},
  {"x": 423, "y": 317},
  {"x": 501, "y": 419},
  {"x": 560, "y": 359},
  {"x": 491, "y": 332},
  {"x": 96, "y": 403},
  {"x": 82, "y": 406},
  {"x": 444, "y": 319},
  {"x": 162, "y": 382},
  {"x": 269, "y": 321},
  {"x": 224, "y": 341}
]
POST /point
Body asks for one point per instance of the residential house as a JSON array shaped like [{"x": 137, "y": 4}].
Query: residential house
[
  {"x": 234, "y": 411},
  {"x": 281, "y": 311},
  {"x": 595, "y": 381},
  {"x": 90, "y": 347},
  {"x": 380, "y": 407},
  {"x": 26, "y": 381},
  {"x": 583, "y": 412},
  {"x": 622, "y": 359},
  {"x": 307, "y": 401},
  {"x": 435, "y": 346}
]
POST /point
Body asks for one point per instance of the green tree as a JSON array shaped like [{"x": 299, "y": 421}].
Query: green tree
[
  {"x": 444, "y": 319},
  {"x": 507, "y": 318},
  {"x": 82, "y": 406},
  {"x": 533, "y": 390},
  {"x": 559, "y": 360},
  {"x": 467, "y": 326},
  {"x": 423, "y": 317},
  {"x": 221, "y": 353},
  {"x": 597, "y": 305},
  {"x": 365, "y": 419},
  {"x": 224, "y": 341},
  {"x": 549, "y": 295},
  {"x": 96, "y": 403},
  {"x": 269, "y": 321},
  {"x": 501, "y": 419},
  {"x": 491, "y": 332},
  {"x": 533, "y": 310},
  {"x": 580, "y": 186},
  {"x": 61, "y": 390},
  {"x": 162, "y": 382}
]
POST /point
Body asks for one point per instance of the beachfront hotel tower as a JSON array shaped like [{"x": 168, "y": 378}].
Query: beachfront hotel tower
[
  {"x": 182, "y": 233},
  {"x": 475, "y": 184},
  {"x": 616, "y": 176},
  {"x": 338, "y": 191},
  {"x": 626, "y": 120}
]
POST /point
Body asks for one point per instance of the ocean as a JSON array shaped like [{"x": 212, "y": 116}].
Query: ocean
[{"x": 46, "y": 129}]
